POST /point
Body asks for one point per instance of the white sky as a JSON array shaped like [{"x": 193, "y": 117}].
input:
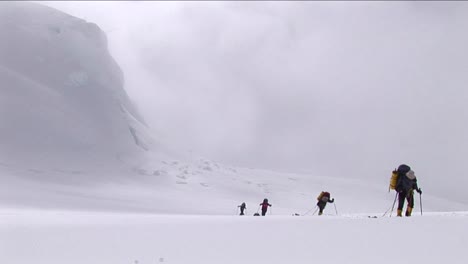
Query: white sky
[{"x": 335, "y": 88}]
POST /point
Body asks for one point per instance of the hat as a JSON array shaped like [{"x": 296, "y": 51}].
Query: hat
[{"x": 403, "y": 168}]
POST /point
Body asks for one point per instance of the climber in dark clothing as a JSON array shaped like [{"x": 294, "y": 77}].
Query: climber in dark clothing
[
  {"x": 323, "y": 199},
  {"x": 406, "y": 185},
  {"x": 265, "y": 205},
  {"x": 242, "y": 208}
]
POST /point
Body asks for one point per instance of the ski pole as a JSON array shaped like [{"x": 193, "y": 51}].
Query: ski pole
[
  {"x": 388, "y": 210},
  {"x": 393, "y": 206},
  {"x": 420, "y": 202},
  {"x": 309, "y": 211},
  {"x": 315, "y": 210},
  {"x": 336, "y": 211}
]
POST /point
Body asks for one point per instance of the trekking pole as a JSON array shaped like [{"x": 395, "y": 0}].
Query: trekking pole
[
  {"x": 391, "y": 207},
  {"x": 315, "y": 210},
  {"x": 309, "y": 211},
  {"x": 388, "y": 210},
  {"x": 394, "y": 201},
  {"x": 420, "y": 202},
  {"x": 336, "y": 211}
]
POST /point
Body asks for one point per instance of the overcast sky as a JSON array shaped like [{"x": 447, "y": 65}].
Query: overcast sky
[{"x": 337, "y": 88}]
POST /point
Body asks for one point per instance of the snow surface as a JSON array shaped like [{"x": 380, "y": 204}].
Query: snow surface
[
  {"x": 200, "y": 187},
  {"x": 39, "y": 237}
]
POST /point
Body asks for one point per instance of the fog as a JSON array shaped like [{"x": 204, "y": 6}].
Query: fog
[{"x": 346, "y": 89}]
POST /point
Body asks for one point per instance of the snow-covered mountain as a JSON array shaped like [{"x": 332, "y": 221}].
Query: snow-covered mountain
[{"x": 62, "y": 102}]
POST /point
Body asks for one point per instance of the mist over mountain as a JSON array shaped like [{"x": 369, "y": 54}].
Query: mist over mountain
[
  {"x": 340, "y": 89},
  {"x": 62, "y": 102}
]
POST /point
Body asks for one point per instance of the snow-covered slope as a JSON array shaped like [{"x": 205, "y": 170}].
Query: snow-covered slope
[
  {"x": 199, "y": 187},
  {"x": 62, "y": 102},
  {"x": 57, "y": 237}
]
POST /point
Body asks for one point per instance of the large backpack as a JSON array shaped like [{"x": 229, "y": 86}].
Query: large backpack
[
  {"x": 393, "y": 180},
  {"x": 402, "y": 170},
  {"x": 323, "y": 196}
]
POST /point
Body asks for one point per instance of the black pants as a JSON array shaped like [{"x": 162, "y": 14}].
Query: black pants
[
  {"x": 321, "y": 206},
  {"x": 264, "y": 210},
  {"x": 242, "y": 211},
  {"x": 409, "y": 196}
]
